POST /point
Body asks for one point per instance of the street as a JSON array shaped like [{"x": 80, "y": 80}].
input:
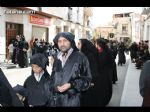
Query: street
[{"x": 118, "y": 87}]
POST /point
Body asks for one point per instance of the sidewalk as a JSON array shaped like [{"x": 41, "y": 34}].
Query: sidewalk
[{"x": 131, "y": 95}]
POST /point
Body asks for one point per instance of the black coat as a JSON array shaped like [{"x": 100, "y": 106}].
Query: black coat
[
  {"x": 104, "y": 83},
  {"x": 37, "y": 92},
  {"x": 8, "y": 96},
  {"x": 144, "y": 84},
  {"x": 133, "y": 49},
  {"x": 75, "y": 71},
  {"x": 22, "y": 56},
  {"x": 89, "y": 98},
  {"x": 121, "y": 54}
]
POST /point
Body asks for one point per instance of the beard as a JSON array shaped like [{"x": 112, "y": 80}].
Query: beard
[{"x": 64, "y": 49}]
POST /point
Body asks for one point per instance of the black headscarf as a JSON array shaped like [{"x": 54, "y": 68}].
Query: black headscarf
[
  {"x": 69, "y": 36},
  {"x": 88, "y": 47},
  {"x": 39, "y": 59},
  {"x": 102, "y": 43}
]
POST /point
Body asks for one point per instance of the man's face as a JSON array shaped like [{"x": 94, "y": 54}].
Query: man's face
[{"x": 63, "y": 44}]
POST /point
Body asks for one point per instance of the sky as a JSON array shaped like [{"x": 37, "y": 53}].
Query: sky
[{"x": 103, "y": 15}]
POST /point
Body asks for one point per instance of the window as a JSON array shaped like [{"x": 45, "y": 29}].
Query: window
[
  {"x": 72, "y": 31},
  {"x": 69, "y": 13},
  {"x": 65, "y": 28},
  {"x": 125, "y": 29},
  {"x": 58, "y": 29},
  {"x": 8, "y": 26}
]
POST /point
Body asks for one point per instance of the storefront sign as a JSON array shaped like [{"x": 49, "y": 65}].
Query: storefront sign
[{"x": 39, "y": 20}]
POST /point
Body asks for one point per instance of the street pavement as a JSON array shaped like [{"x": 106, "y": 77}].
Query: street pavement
[
  {"x": 118, "y": 87},
  {"x": 131, "y": 95}
]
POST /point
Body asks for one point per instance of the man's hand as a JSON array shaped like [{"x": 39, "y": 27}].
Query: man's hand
[{"x": 64, "y": 87}]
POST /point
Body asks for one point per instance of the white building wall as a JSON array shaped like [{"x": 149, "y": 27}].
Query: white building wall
[
  {"x": 56, "y": 11},
  {"x": 147, "y": 31},
  {"x": 2, "y": 36}
]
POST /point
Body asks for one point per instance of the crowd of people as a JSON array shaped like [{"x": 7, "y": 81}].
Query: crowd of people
[
  {"x": 82, "y": 73},
  {"x": 18, "y": 50},
  {"x": 139, "y": 53}
]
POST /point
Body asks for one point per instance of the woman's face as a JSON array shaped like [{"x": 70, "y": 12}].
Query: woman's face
[
  {"x": 79, "y": 45},
  {"x": 36, "y": 69},
  {"x": 97, "y": 46}
]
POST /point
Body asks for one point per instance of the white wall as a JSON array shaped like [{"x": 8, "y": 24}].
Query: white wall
[{"x": 2, "y": 36}]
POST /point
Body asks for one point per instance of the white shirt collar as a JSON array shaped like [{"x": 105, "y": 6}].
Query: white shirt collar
[
  {"x": 38, "y": 76},
  {"x": 59, "y": 56}
]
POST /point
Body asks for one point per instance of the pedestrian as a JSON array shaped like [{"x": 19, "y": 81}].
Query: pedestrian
[
  {"x": 133, "y": 51},
  {"x": 113, "y": 49},
  {"x": 144, "y": 84},
  {"x": 89, "y": 98},
  {"x": 121, "y": 54},
  {"x": 105, "y": 69},
  {"x": 36, "y": 82},
  {"x": 70, "y": 74},
  {"x": 22, "y": 56},
  {"x": 10, "y": 51}
]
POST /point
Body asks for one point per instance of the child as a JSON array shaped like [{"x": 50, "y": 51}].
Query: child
[{"x": 36, "y": 83}]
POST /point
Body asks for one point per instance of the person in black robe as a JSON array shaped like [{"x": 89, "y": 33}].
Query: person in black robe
[
  {"x": 105, "y": 69},
  {"x": 36, "y": 84},
  {"x": 121, "y": 54},
  {"x": 113, "y": 49},
  {"x": 144, "y": 84},
  {"x": 133, "y": 51},
  {"x": 8, "y": 97},
  {"x": 71, "y": 73},
  {"x": 89, "y": 98},
  {"x": 22, "y": 55}
]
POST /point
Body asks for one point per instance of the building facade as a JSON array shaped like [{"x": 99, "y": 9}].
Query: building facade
[
  {"x": 39, "y": 22},
  {"x": 105, "y": 31},
  {"x": 123, "y": 26},
  {"x": 146, "y": 24}
]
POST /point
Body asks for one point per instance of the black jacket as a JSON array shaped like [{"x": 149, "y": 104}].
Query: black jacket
[
  {"x": 37, "y": 94},
  {"x": 8, "y": 96},
  {"x": 77, "y": 72}
]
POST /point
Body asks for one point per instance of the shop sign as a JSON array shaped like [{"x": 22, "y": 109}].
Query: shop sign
[{"x": 39, "y": 20}]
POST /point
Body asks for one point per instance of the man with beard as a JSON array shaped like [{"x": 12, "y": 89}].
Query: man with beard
[{"x": 71, "y": 73}]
